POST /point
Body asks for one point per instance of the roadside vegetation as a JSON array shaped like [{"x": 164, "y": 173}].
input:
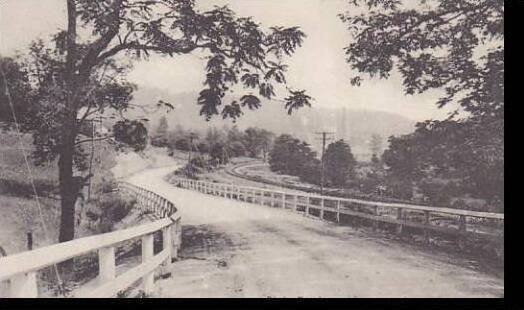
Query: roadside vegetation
[
  {"x": 20, "y": 214},
  {"x": 399, "y": 172}
]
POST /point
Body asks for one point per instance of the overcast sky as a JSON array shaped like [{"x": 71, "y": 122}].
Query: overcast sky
[{"x": 318, "y": 66}]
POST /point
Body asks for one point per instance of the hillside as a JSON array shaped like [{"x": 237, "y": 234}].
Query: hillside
[{"x": 359, "y": 124}]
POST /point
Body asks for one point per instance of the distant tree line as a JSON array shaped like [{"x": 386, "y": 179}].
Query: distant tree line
[{"x": 220, "y": 144}]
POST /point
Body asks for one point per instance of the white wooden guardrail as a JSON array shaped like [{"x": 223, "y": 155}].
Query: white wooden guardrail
[
  {"x": 457, "y": 222},
  {"x": 20, "y": 270}
]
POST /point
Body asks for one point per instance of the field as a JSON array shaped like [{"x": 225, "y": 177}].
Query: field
[{"x": 19, "y": 213}]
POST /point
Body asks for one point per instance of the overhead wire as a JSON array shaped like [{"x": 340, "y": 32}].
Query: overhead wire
[{"x": 31, "y": 176}]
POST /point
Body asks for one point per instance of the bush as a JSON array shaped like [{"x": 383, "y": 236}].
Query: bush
[
  {"x": 401, "y": 189},
  {"x": 369, "y": 184},
  {"x": 114, "y": 207},
  {"x": 108, "y": 185},
  {"x": 439, "y": 192},
  {"x": 238, "y": 149},
  {"x": 310, "y": 173},
  {"x": 200, "y": 162}
]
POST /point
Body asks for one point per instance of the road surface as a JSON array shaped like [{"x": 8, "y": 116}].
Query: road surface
[{"x": 236, "y": 249}]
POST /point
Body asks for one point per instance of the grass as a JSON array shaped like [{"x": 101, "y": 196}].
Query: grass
[
  {"x": 18, "y": 208},
  {"x": 105, "y": 211}
]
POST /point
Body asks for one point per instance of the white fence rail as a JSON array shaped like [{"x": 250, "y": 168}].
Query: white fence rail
[
  {"x": 444, "y": 220},
  {"x": 20, "y": 270}
]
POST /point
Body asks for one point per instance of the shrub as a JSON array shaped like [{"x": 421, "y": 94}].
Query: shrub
[
  {"x": 369, "y": 184},
  {"x": 114, "y": 207},
  {"x": 400, "y": 188},
  {"x": 439, "y": 192},
  {"x": 199, "y": 162}
]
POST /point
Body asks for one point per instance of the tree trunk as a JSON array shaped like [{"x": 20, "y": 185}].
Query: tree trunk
[{"x": 68, "y": 192}]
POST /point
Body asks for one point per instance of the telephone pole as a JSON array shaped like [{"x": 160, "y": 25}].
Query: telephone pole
[
  {"x": 191, "y": 137},
  {"x": 324, "y": 139}
]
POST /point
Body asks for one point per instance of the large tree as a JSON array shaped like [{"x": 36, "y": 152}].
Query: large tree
[
  {"x": 103, "y": 36},
  {"x": 456, "y": 47},
  {"x": 339, "y": 163},
  {"x": 294, "y": 157},
  {"x": 258, "y": 141}
]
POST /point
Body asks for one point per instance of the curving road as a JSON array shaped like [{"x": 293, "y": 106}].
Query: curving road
[{"x": 236, "y": 249}]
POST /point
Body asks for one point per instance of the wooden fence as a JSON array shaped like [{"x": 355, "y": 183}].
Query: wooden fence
[
  {"x": 20, "y": 270},
  {"x": 444, "y": 220}
]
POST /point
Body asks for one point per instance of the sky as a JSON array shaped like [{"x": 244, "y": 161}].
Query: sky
[{"x": 318, "y": 66}]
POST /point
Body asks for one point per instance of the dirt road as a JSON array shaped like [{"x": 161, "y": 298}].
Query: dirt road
[{"x": 236, "y": 249}]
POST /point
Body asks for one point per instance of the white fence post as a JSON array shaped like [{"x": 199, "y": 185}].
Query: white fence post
[
  {"x": 167, "y": 243},
  {"x": 147, "y": 254},
  {"x": 307, "y": 206},
  {"x": 375, "y": 221},
  {"x": 106, "y": 264},
  {"x": 426, "y": 222},
  {"x": 176, "y": 233},
  {"x": 322, "y": 208},
  {"x": 338, "y": 211},
  {"x": 399, "y": 217},
  {"x": 23, "y": 286},
  {"x": 179, "y": 234}
]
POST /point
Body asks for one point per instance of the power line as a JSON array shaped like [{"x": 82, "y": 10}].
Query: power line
[
  {"x": 31, "y": 177},
  {"x": 324, "y": 138}
]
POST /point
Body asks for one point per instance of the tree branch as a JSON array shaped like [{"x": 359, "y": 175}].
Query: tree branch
[{"x": 90, "y": 59}]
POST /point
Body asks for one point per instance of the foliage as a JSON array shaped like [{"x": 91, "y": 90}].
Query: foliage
[
  {"x": 84, "y": 75},
  {"x": 257, "y": 141},
  {"x": 237, "y": 149},
  {"x": 456, "y": 46},
  {"x": 375, "y": 145},
  {"x": 339, "y": 163},
  {"x": 294, "y": 157},
  {"x": 160, "y": 137},
  {"x": 114, "y": 207},
  {"x": 19, "y": 89},
  {"x": 480, "y": 168},
  {"x": 399, "y": 188},
  {"x": 220, "y": 153},
  {"x": 439, "y": 192},
  {"x": 434, "y": 48},
  {"x": 253, "y": 142},
  {"x": 132, "y": 133},
  {"x": 199, "y": 162},
  {"x": 374, "y": 159}
]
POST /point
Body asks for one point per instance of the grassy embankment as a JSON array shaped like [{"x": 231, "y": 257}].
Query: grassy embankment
[{"x": 105, "y": 211}]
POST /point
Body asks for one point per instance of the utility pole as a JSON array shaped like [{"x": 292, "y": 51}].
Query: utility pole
[
  {"x": 324, "y": 139},
  {"x": 191, "y": 137}
]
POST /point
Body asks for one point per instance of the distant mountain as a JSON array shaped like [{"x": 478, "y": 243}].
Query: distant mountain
[{"x": 353, "y": 125}]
